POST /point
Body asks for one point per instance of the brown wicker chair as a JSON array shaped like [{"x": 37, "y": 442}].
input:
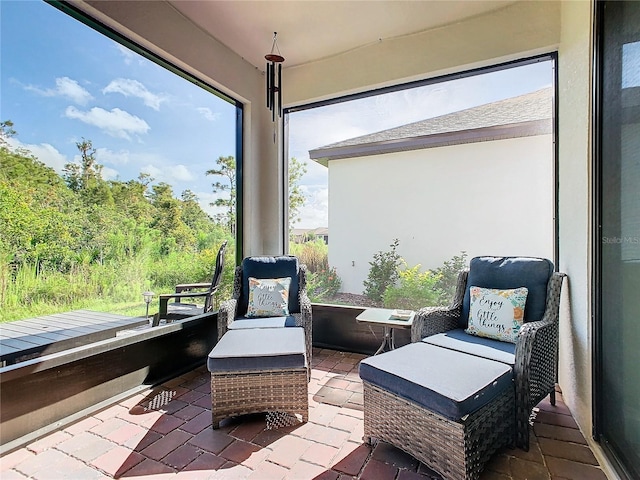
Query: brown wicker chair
[
  {"x": 452, "y": 399},
  {"x": 536, "y": 349},
  {"x": 232, "y": 311}
]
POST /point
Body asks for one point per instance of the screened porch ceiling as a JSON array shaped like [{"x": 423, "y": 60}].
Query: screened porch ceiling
[{"x": 312, "y": 30}]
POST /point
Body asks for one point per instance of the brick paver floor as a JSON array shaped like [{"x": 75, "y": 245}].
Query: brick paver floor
[{"x": 166, "y": 433}]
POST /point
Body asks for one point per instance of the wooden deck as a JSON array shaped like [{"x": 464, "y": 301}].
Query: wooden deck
[{"x": 30, "y": 338}]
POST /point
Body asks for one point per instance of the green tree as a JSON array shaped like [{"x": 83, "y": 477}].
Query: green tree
[
  {"x": 6, "y": 132},
  {"x": 130, "y": 199},
  {"x": 168, "y": 219},
  {"x": 296, "y": 196},
  {"x": 85, "y": 178},
  {"x": 227, "y": 171}
]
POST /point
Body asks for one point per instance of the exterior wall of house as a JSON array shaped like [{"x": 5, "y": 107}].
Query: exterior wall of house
[
  {"x": 485, "y": 198},
  {"x": 164, "y": 31}
]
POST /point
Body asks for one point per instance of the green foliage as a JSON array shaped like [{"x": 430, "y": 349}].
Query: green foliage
[
  {"x": 383, "y": 272},
  {"x": 414, "y": 289},
  {"x": 448, "y": 277},
  {"x": 323, "y": 281},
  {"x": 314, "y": 254},
  {"x": 296, "y": 196},
  {"x": 323, "y": 284},
  {"x": 66, "y": 245},
  {"x": 227, "y": 172}
]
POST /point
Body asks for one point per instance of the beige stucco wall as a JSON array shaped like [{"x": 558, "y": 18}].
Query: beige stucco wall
[
  {"x": 575, "y": 198},
  {"x": 485, "y": 198},
  {"x": 165, "y": 32}
]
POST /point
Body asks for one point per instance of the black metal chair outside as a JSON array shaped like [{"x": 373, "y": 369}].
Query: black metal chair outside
[{"x": 192, "y": 290}]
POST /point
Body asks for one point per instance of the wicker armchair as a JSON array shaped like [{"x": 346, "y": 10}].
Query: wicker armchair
[
  {"x": 535, "y": 356},
  {"x": 231, "y": 314}
]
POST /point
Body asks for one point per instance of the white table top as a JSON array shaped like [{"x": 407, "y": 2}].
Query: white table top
[{"x": 383, "y": 316}]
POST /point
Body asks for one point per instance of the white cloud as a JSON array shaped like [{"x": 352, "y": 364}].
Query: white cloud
[
  {"x": 45, "y": 152},
  {"x": 65, "y": 87},
  {"x": 315, "y": 211},
  {"x": 127, "y": 54},
  {"x": 153, "y": 171},
  {"x": 109, "y": 173},
  {"x": 180, "y": 173},
  {"x": 116, "y": 122},
  {"x": 208, "y": 114},
  {"x": 104, "y": 155},
  {"x": 133, "y": 88},
  {"x": 205, "y": 199},
  {"x": 172, "y": 175}
]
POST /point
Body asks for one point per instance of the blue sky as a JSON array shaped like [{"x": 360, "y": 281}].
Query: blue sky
[{"x": 61, "y": 81}]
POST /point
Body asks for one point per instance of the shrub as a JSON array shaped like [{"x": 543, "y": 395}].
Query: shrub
[
  {"x": 414, "y": 289},
  {"x": 448, "y": 277},
  {"x": 323, "y": 284},
  {"x": 383, "y": 272}
]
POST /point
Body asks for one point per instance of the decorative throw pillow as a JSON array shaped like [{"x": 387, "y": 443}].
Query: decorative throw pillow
[
  {"x": 495, "y": 313},
  {"x": 268, "y": 297}
]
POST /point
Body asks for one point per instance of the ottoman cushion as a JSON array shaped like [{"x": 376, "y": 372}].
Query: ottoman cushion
[
  {"x": 259, "y": 349},
  {"x": 449, "y": 383},
  {"x": 461, "y": 341}
]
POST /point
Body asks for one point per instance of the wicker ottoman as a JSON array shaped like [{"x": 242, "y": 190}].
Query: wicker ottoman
[
  {"x": 449, "y": 410},
  {"x": 259, "y": 370}
]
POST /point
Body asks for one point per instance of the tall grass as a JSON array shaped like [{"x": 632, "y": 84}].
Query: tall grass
[
  {"x": 115, "y": 287},
  {"x": 315, "y": 254}
]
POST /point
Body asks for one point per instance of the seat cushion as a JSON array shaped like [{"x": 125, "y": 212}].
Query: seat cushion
[
  {"x": 449, "y": 383},
  {"x": 511, "y": 272},
  {"x": 460, "y": 341},
  {"x": 262, "y": 322},
  {"x": 270, "y": 267},
  {"x": 256, "y": 349}
]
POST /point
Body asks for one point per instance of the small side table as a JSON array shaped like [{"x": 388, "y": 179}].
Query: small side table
[{"x": 382, "y": 316}]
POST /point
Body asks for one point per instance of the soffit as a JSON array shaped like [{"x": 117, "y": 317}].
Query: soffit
[{"x": 313, "y": 30}]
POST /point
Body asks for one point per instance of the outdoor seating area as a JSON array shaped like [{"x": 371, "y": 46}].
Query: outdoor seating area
[
  {"x": 467, "y": 384},
  {"x": 268, "y": 292},
  {"x": 165, "y": 432}
]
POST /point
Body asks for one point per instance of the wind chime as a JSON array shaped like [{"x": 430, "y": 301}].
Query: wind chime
[{"x": 274, "y": 79}]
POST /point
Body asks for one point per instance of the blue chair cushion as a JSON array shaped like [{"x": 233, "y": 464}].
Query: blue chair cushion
[
  {"x": 257, "y": 349},
  {"x": 271, "y": 267},
  {"x": 262, "y": 322},
  {"x": 443, "y": 381},
  {"x": 460, "y": 341},
  {"x": 507, "y": 273}
]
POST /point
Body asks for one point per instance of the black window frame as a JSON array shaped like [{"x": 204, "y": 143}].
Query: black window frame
[{"x": 550, "y": 56}]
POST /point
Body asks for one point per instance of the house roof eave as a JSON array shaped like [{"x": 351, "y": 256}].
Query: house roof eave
[{"x": 484, "y": 134}]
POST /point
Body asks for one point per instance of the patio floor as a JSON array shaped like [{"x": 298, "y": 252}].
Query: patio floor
[{"x": 166, "y": 433}]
